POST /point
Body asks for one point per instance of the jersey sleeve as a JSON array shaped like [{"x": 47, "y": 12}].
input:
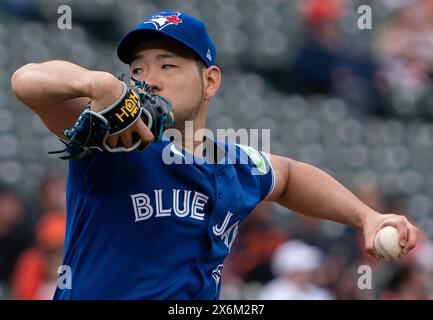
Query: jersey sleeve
[{"x": 259, "y": 168}]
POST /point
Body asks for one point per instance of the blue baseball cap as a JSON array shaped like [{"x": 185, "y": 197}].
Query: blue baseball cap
[{"x": 178, "y": 26}]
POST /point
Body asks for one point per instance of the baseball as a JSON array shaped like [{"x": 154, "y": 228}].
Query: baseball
[{"x": 386, "y": 244}]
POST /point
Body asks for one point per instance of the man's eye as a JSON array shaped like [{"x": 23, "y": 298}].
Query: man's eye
[
  {"x": 137, "y": 70},
  {"x": 168, "y": 66}
]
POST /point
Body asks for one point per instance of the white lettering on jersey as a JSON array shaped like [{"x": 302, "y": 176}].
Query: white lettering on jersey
[
  {"x": 198, "y": 203},
  {"x": 160, "y": 211},
  {"x": 193, "y": 205},
  {"x": 227, "y": 235},
  {"x": 186, "y": 199},
  {"x": 142, "y": 208},
  {"x": 220, "y": 230}
]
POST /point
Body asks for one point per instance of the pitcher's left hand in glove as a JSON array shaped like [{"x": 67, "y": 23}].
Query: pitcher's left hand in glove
[{"x": 94, "y": 129}]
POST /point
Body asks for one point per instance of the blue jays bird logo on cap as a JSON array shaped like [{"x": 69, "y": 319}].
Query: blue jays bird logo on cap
[{"x": 163, "y": 19}]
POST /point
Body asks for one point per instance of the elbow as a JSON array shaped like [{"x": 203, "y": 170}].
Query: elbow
[{"x": 20, "y": 78}]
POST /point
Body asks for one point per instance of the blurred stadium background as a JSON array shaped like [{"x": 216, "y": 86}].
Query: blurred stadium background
[{"x": 356, "y": 103}]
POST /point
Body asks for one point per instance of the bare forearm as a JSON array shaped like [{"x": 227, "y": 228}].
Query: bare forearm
[
  {"x": 54, "y": 82},
  {"x": 312, "y": 192}
]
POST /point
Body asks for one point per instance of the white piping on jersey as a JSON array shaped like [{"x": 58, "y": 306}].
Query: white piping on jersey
[
  {"x": 175, "y": 151},
  {"x": 273, "y": 176}
]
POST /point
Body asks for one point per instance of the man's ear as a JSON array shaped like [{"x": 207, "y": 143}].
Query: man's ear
[{"x": 212, "y": 81}]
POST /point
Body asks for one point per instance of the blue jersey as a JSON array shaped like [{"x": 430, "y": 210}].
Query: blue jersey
[{"x": 138, "y": 228}]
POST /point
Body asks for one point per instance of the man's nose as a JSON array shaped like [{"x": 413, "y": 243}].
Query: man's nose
[{"x": 153, "y": 79}]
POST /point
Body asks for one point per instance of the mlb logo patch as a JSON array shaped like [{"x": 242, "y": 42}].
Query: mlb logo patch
[{"x": 164, "y": 19}]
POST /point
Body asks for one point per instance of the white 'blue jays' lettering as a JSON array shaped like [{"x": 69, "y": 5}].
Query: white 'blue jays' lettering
[{"x": 192, "y": 205}]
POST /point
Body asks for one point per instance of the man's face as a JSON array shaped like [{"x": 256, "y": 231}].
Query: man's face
[{"x": 173, "y": 72}]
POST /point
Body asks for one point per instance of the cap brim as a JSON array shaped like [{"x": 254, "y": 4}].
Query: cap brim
[{"x": 133, "y": 39}]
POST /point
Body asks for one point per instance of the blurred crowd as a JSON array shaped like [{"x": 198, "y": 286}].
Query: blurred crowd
[
  {"x": 391, "y": 77},
  {"x": 31, "y": 240},
  {"x": 277, "y": 254}
]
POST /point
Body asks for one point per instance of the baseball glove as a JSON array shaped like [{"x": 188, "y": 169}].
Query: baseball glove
[{"x": 92, "y": 128}]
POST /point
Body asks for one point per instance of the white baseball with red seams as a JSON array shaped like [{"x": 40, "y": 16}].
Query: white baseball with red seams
[{"x": 386, "y": 244}]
